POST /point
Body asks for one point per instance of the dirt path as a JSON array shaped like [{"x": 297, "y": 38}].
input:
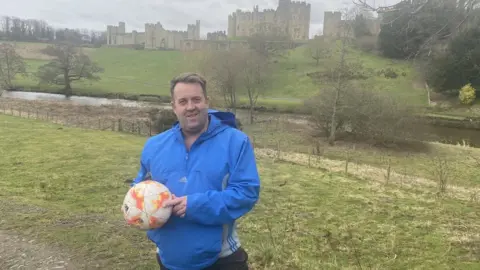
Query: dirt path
[{"x": 20, "y": 253}]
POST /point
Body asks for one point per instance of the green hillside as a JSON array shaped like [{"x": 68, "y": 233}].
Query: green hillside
[{"x": 130, "y": 71}]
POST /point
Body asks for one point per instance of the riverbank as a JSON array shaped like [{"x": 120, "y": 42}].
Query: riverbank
[
  {"x": 271, "y": 131},
  {"x": 272, "y": 105},
  {"x": 442, "y": 128},
  {"x": 459, "y": 117}
]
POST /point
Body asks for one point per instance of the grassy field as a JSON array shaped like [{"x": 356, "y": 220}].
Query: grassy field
[
  {"x": 459, "y": 165},
  {"x": 148, "y": 72},
  {"x": 65, "y": 185}
]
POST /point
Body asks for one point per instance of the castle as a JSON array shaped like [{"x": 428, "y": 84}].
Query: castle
[
  {"x": 154, "y": 37},
  {"x": 290, "y": 18}
]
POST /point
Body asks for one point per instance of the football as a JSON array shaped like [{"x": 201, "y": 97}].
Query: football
[{"x": 143, "y": 205}]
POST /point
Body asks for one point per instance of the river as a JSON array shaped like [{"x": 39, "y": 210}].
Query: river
[{"x": 435, "y": 133}]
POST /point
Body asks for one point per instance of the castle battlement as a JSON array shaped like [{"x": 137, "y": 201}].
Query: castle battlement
[
  {"x": 300, "y": 3},
  {"x": 241, "y": 12},
  {"x": 217, "y": 35},
  {"x": 333, "y": 24},
  {"x": 292, "y": 17},
  {"x": 154, "y": 25},
  {"x": 176, "y": 31},
  {"x": 332, "y": 13}
]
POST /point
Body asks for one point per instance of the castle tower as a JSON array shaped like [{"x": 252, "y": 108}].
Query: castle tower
[
  {"x": 121, "y": 28},
  {"x": 283, "y": 15},
  {"x": 299, "y": 23},
  {"x": 197, "y": 30},
  {"x": 331, "y": 23},
  {"x": 109, "y": 34},
  {"x": 232, "y": 25}
]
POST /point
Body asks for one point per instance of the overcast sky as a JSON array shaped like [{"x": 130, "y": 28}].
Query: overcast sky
[{"x": 174, "y": 15}]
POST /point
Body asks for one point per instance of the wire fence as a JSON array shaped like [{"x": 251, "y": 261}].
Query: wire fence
[
  {"x": 135, "y": 123},
  {"x": 266, "y": 144}
]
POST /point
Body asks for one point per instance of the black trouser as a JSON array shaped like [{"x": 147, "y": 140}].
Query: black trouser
[{"x": 235, "y": 261}]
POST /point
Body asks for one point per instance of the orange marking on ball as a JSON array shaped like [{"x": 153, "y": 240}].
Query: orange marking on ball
[
  {"x": 161, "y": 198},
  {"x": 136, "y": 220},
  {"x": 138, "y": 197}
]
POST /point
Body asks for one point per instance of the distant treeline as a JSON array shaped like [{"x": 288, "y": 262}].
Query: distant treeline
[{"x": 31, "y": 30}]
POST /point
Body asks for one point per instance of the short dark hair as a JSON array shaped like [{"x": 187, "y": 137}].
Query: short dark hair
[{"x": 189, "y": 77}]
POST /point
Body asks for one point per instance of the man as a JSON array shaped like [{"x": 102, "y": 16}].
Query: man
[{"x": 209, "y": 166}]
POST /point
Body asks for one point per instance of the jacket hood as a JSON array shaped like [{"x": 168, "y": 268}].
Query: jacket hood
[
  {"x": 227, "y": 118},
  {"x": 219, "y": 120}
]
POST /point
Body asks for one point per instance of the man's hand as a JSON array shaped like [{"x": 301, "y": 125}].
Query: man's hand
[{"x": 179, "y": 205}]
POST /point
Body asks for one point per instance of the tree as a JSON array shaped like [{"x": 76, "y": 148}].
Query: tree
[
  {"x": 360, "y": 27},
  {"x": 11, "y": 65},
  {"x": 224, "y": 70},
  {"x": 270, "y": 44},
  {"x": 255, "y": 77},
  {"x": 413, "y": 29},
  {"x": 69, "y": 64},
  {"x": 340, "y": 74},
  {"x": 317, "y": 49},
  {"x": 458, "y": 66},
  {"x": 235, "y": 72}
]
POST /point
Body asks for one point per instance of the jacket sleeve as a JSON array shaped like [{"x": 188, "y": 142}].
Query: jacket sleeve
[
  {"x": 237, "y": 199},
  {"x": 143, "y": 172}
]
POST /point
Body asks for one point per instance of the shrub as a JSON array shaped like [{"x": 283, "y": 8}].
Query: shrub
[
  {"x": 161, "y": 120},
  {"x": 467, "y": 94},
  {"x": 366, "y": 43},
  {"x": 388, "y": 73},
  {"x": 366, "y": 114}
]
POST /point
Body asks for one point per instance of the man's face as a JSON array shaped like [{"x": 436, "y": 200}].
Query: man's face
[{"x": 191, "y": 107}]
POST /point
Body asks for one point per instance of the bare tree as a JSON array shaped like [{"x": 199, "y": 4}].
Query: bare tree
[
  {"x": 363, "y": 4},
  {"x": 326, "y": 108},
  {"x": 317, "y": 49},
  {"x": 341, "y": 73},
  {"x": 270, "y": 44},
  {"x": 11, "y": 65},
  {"x": 344, "y": 105},
  {"x": 223, "y": 68},
  {"x": 256, "y": 77},
  {"x": 70, "y": 64},
  {"x": 463, "y": 12}
]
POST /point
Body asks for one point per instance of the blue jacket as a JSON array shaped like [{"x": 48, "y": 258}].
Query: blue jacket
[{"x": 220, "y": 179}]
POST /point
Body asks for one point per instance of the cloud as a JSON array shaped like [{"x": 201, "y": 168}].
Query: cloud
[{"x": 173, "y": 15}]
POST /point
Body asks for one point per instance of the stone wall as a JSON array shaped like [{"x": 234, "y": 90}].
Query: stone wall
[
  {"x": 332, "y": 24},
  {"x": 195, "y": 45}
]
